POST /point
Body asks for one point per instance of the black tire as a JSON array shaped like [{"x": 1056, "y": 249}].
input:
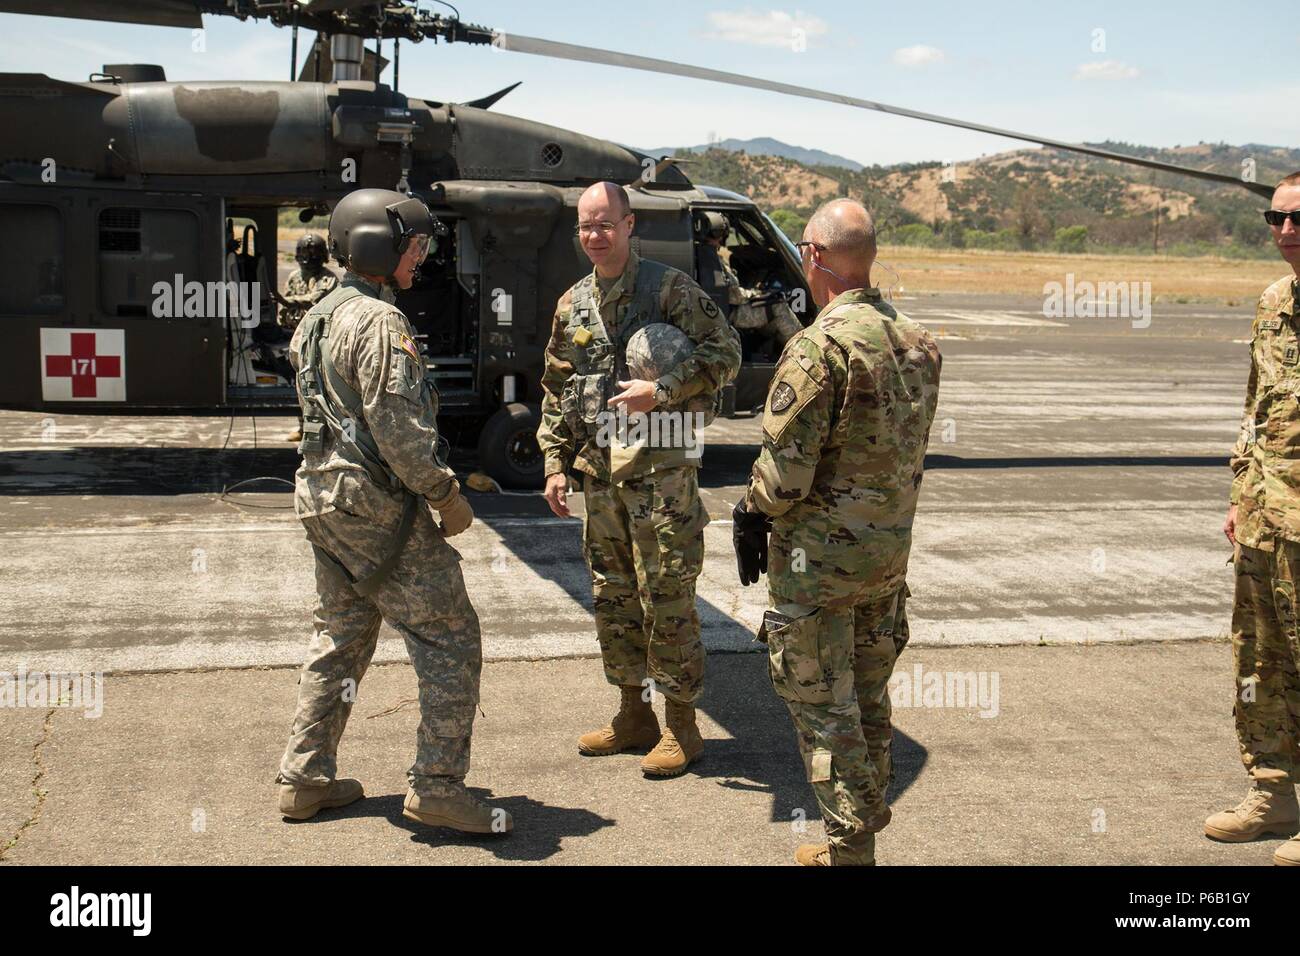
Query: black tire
[{"x": 507, "y": 446}]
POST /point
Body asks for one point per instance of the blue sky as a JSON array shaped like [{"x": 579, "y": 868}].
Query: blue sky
[{"x": 1164, "y": 74}]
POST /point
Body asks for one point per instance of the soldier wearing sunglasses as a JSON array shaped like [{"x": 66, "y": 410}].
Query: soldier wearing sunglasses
[{"x": 1263, "y": 525}]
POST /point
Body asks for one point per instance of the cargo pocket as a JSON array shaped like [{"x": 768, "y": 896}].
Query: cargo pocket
[
  {"x": 355, "y": 494},
  {"x": 679, "y": 537},
  {"x": 795, "y": 659}
]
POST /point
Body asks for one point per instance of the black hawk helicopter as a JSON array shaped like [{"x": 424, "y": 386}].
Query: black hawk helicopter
[{"x": 164, "y": 198}]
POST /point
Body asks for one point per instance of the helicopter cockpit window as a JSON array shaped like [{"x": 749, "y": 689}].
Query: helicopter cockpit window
[
  {"x": 140, "y": 247},
  {"x": 31, "y": 270}
]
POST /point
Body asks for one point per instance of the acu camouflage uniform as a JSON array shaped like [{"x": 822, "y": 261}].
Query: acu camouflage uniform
[
  {"x": 303, "y": 290},
  {"x": 351, "y": 519},
  {"x": 643, "y": 533},
  {"x": 754, "y": 311},
  {"x": 1266, "y": 491},
  {"x": 845, "y": 430}
]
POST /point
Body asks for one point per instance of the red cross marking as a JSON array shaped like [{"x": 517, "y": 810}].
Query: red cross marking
[{"x": 83, "y": 366}]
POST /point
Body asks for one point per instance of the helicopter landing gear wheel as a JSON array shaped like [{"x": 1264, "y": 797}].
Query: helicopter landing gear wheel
[{"x": 507, "y": 447}]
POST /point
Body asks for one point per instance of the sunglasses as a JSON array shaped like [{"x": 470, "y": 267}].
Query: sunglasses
[
  {"x": 810, "y": 245},
  {"x": 1275, "y": 217}
]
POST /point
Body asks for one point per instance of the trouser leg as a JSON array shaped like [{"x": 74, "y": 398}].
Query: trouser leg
[
  {"x": 879, "y": 635},
  {"x": 667, "y": 520},
  {"x": 1264, "y": 636},
  {"x": 608, "y": 549},
  {"x": 426, "y": 602},
  {"x": 812, "y": 669},
  {"x": 346, "y": 630}
]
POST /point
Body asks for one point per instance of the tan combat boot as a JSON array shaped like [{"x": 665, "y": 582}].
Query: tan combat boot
[
  {"x": 813, "y": 854},
  {"x": 680, "y": 745},
  {"x": 299, "y": 802},
  {"x": 1262, "y": 812},
  {"x": 634, "y": 727},
  {"x": 1288, "y": 854},
  {"x": 457, "y": 808}
]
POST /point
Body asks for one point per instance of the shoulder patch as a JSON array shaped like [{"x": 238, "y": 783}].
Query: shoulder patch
[
  {"x": 790, "y": 395},
  {"x": 783, "y": 397},
  {"x": 407, "y": 345},
  {"x": 707, "y": 305}
]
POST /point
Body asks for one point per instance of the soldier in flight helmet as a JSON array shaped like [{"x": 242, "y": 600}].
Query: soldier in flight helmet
[
  {"x": 378, "y": 504},
  {"x": 307, "y": 285}
]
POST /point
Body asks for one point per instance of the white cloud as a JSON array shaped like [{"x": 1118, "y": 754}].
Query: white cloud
[
  {"x": 919, "y": 55},
  {"x": 1106, "y": 70},
  {"x": 773, "y": 28}
]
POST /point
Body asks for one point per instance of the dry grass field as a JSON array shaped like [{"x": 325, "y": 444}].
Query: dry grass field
[
  {"x": 1230, "y": 282},
  {"x": 1173, "y": 279}
]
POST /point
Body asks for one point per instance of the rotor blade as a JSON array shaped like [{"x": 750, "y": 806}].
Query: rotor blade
[
  {"x": 163, "y": 13},
  {"x": 584, "y": 54}
]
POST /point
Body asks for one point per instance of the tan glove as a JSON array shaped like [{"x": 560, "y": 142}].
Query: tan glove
[{"x": 454, "y": 511}]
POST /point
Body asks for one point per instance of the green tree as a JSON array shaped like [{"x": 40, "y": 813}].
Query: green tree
[
  {"x": 790, "y": 222},
  {"x": 1071, "y": 239}
]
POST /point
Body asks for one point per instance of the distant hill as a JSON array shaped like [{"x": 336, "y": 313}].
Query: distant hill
[
  {"x": 1024, "y": 198},
  {"x": 763, "y": 146}
]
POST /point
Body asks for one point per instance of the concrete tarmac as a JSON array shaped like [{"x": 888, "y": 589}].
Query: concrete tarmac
[{"x": 1076, "y": 485}]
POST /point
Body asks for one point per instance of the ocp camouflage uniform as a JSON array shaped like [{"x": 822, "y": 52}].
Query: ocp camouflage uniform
[
  {"x": 1266, "y": 490},
  {"x": 643, "y": 534},
  {"x": 351, "y": 520},
  {"x": 845, "y": 430},
  {"x": 302, "y": 290}
]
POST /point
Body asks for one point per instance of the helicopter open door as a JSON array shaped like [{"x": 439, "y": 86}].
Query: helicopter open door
[
  {"x": 122, "y": 335},
  {"x": 766, "y": 264}
]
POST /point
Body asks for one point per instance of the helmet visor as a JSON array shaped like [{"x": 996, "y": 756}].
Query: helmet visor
[{"x": 420, "y": 244}]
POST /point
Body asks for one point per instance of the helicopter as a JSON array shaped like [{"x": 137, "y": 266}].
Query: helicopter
[{"x": 167, "y": 198}]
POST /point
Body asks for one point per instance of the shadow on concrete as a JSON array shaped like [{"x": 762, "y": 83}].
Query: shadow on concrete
[
  {"x": 727, "y": 465},
  {"x": 142, "y": 470},
  {"x": 763, "y": 754},
  {"x": 146, "y": 470},
  {"x": 539, "y": 828}
]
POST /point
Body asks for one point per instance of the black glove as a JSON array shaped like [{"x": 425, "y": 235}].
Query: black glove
[{"x": 749, "y": 537}]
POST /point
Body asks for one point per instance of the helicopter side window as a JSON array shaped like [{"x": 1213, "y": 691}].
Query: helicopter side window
[
  {"x": 31, "y": 270},
  {"x": 140, "y": 247}
]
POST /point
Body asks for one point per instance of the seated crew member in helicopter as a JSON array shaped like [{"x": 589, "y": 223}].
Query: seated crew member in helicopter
[
  {"x": 306, "y": 285},
  {"x": 755, "y": 310}
]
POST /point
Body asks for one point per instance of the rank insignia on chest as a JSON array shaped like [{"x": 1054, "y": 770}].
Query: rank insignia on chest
[
  {"x": 1291, "y": 355},
  {"x": 782, "y": 398},
  {"x": 582, "y": 338}
]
